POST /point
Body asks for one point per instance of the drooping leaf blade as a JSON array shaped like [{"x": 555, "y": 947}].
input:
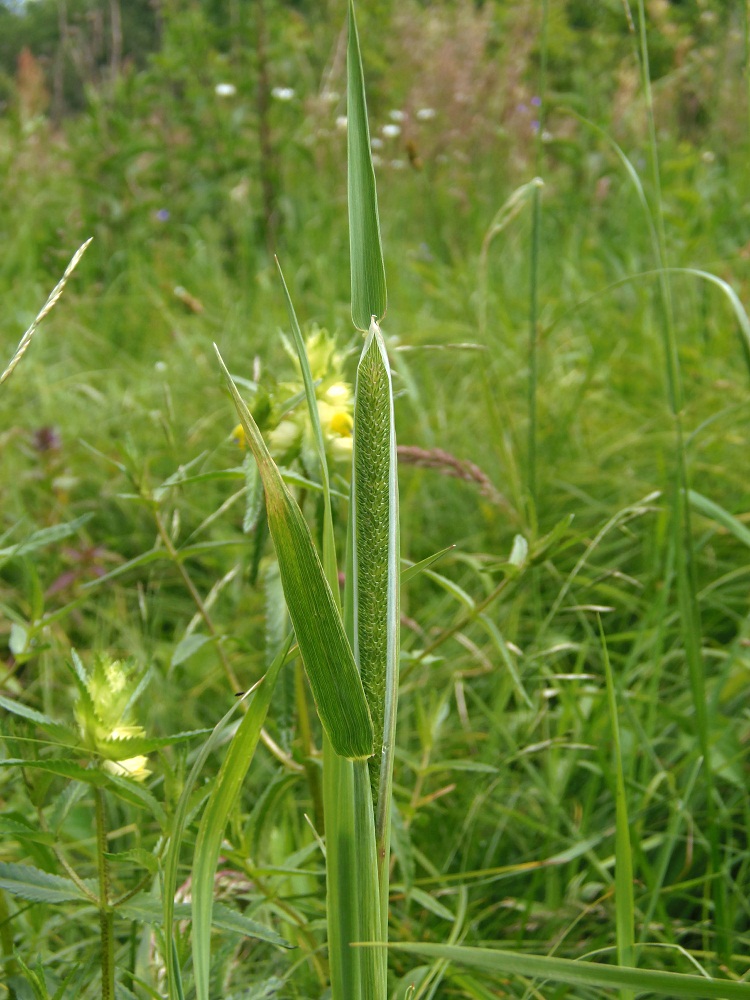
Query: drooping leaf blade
[{"x": 565, "y": 970}]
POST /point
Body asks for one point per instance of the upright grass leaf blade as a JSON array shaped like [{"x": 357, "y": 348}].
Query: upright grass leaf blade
[
  {"x": 377, "y": 572},
  {"x": 326, "y": 653},
  {"x": 329, "y": 547},
  {"x": 368, "y": 271},
  {"x": 352, "y": 885},
  {"x": 565, "y": 970},
  {"x": 214, "y": 819},
  {"x": 353, "y": 902},
  {"x": 172, "y": 857},
  {"x": 624, "y": 904}
]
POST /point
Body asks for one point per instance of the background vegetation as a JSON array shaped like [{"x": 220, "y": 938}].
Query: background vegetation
[{"x": 193, "y": 139}]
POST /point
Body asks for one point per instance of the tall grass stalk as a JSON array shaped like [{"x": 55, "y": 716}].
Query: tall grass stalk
[
  {"x": 350, "y": 654},
  {"x": 681, "y": 535},
  {"x": 624, "y": 903}
]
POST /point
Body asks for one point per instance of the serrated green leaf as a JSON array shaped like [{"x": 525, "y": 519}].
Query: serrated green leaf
[
  {"x": 149, "y": 911},
  {"x": 62, "y": 768},
  {"x": 326, "y": 653},
  {"x": 38, "y": 886},
  {"x": 134, "y": 793},
  {"x": 230, "y": 920},
  {"x": 369, "y": 296},
  {"x": 12, "y": 828},
  {"x": 138, "y": 856},
  {"x": 58, "y": 730},
  {"x": 134, "y": 746}
]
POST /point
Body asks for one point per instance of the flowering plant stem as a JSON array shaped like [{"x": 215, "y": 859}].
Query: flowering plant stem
[{"x": 106, "y": 913}]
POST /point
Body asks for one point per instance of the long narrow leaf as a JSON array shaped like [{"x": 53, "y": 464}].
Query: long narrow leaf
[
  {"x": 171, "y": 860},
  {"x": 565, "y": 970},
  {"x": 38, "y": 886},
  {"x": 329, "y": 547},
  {"x": 368, "y": 271},
  {"x": 214, "y": 819},
  {"x": 326, "y": 653},
  {"x": 624, "y": 904}
]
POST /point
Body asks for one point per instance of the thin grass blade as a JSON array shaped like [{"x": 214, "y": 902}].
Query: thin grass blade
[
  {"x": 329, "y": 547},
  {"x": 565, "y": 970},
  {"x": 214, "y": 819},
  {"x": 624, "y": 903}
]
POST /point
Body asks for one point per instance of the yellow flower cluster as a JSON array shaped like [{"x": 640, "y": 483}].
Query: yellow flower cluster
[
  {"x": 292, "y": 433},
  {"x": 102, "y": 718}
]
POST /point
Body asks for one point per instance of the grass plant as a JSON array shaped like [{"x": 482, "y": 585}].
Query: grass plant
[{"x": 547, "y": 579}]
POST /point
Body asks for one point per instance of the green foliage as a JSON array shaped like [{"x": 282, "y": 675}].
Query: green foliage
[{"x": 133, "y": 526}]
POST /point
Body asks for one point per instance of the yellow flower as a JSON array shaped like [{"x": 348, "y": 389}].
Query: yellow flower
[
  {"x": 133, "y": 767},
  {"x": 284, "y": 437},
  {"x": 103, "y": 717},
  {"x": 341, "y": 449},
  {"x": 239, "y": 437}
]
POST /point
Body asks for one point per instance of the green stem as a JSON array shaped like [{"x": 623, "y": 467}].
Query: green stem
[
  {"x": 106, "y": 913},
  {"x": 681, "y": 532},
  {"x": 533, "y": 347}
]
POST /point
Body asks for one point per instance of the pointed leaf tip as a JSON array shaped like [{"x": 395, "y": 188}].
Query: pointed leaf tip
[{"x": 369, "y": 296}]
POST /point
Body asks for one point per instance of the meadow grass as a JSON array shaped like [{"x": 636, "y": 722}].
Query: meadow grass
[{"x": 511, "y": 793}]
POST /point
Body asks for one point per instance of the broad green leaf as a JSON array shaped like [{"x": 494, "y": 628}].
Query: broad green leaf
[
  {"x": 40, "y": 887},
  {"x": 565, "y": 970},
  {"x": 368, "y": 271},
  {"x": 214, "y": 819},
  {"x": 326, "y": 653}
]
